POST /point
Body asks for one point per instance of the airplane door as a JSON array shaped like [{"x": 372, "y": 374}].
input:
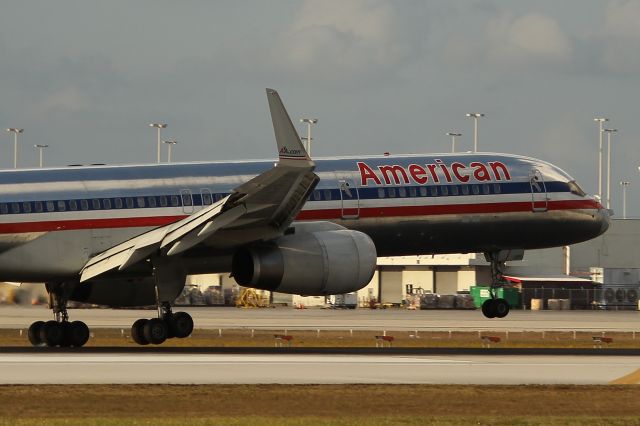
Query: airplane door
[
  {"x": 187, "y": 201},
  {"x": 207, "y": 198},
  {"x": 539, "y": 199},
  {"x": 350, "y": 199}
]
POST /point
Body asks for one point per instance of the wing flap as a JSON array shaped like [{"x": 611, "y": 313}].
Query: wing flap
[
  {"x": 193, "y": 222},
  {"x": 199, "y": 235}
]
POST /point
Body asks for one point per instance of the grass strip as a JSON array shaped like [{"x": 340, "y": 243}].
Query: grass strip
[
  {"x": 332, "y": 402},
  {"x": 120, "y": 337},
  {"x": 338, "y": 419}
]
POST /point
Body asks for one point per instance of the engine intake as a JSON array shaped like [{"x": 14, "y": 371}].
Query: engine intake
[{"x": 314, "y": 264}]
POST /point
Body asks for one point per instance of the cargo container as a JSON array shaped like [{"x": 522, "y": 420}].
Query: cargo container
[{"x": 510, "y": 294}]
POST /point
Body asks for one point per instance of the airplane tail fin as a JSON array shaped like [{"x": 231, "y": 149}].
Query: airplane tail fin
[{"x": 290, "y": 149}]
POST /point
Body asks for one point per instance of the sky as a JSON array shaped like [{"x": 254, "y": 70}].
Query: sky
[{"x": 87, "y": 77}]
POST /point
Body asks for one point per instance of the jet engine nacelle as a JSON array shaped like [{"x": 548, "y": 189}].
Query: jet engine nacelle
[{"x": 313, "y": 264}]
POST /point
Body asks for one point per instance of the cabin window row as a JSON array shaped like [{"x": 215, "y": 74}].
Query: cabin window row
[
  {"x": 442, "y": 191},
  {"x": 422, "y": 191},
  {"x": 185, "y": 199}
]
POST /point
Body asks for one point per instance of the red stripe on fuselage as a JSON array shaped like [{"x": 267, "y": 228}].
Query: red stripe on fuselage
[
  {"x": 74, "y": 224},
  {"x": 326, "y": 214},
  {"x": 434, "y": 210}
]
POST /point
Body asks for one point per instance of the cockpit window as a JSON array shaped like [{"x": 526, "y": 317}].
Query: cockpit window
[{"x": 575, "y": 189}]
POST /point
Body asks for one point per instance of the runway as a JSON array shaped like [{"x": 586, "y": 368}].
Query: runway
[
  {"x": 358, "y": 319},
  {"x": 121, "y": 368},
  {"x": 216, "y": 366}
]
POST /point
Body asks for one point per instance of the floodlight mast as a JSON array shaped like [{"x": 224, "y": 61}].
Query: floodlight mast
[
  {"x": 600, "y": 121},
  {"x": 40, "y": 148},
  {"x": 609, "y": 132},
  {"x": 310, "y": 122},
  {"x": 170, "y": 143},
  {"x": 624, "y": 184},
  {"x": 15, "y": 131},
  {"x": 453, "y": 135},
  {"x": 475, "y": 116},
  {"x": 159, "y": 126}
]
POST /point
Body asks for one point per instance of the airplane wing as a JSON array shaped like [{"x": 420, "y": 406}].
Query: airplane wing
[{"x": 261, "y": 208}]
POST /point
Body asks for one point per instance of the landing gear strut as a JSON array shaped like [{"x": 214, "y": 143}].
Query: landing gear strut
[
  {"x": 169, "y": 281},
  {"x": 59, "y": 331},
  {"x": 168, "y": 325},
  {"x": 496, "y": 307}
]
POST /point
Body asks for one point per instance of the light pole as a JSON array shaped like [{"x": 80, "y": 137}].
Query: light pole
[
  {"x": 624, "y": 184},
  {"x": 600, "y": 121},
  {"x": 40, "y": 148},
  {"x": 158, "y": 126},
  {"x": 309, "y": 122},
  {"x": 475, "y": 116},
  {"x": 307, "y": 143},
  {"x": 453, "y": 140},
  {"x": 170, "y": 144},
  {"x": 609, "y": 132},
  {"x": 15, "y": 132}
]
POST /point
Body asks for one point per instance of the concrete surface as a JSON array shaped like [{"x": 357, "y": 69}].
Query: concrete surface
[
  {"x": 363, "y": 319},
  {"x": 317, "y": 369}
]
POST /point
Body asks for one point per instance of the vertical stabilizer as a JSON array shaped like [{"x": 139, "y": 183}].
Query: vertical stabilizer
[{"x": 290, "y": 149}]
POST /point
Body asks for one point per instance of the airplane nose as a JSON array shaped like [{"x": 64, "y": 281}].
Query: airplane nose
[{"x": 604, "y": 218}]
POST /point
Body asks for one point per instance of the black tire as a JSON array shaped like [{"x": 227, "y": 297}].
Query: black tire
[
  {"x": 501, "y": 308},
  {"x": 181, "y": 325},
  {"x": 77, "y": 334},
  {"x": 137, "y": 333},
  {"x": 155, "y": 331},
  {"x": 52, "y": 333},
  {"x": 488, "y": 308},
  {"x": 34, "y": 333},
  {"x": 66, "y": 326}
]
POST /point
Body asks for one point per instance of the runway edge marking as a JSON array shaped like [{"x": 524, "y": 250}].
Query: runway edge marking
[{"x": 630, "y": 379}]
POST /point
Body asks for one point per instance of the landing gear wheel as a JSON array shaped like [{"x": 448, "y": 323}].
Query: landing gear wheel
[
  {"x": 137, "y": 333},
  {"x": 66, "y": 334},
  {"x": 52, "y": 333},
  {"x": 181, "y": 325},
  {"x": 501, "y": 308},
  {"x": 77, "y": 334},
  {"x": 489, "y": 308},
  {"x": 155, "y": 331},
  {"x": 34, "y": 333}
]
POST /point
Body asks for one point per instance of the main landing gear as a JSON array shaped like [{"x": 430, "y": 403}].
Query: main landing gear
[
  {"x": 497, "y": 307},
  {"x": 59, "y": 331},
  {"x": 166, "y": 326}
]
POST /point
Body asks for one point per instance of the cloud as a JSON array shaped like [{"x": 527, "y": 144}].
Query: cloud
[
  {"x": 621, "y": 35},
  {"x": 70, "y": 99},
  {"x": 514, "y": 41},
  {"x": 335, "y": 40}
]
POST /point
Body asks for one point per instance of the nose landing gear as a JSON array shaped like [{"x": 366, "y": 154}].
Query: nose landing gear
[{"x": 496, "y": 307}]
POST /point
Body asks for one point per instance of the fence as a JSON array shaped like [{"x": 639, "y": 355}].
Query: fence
[{"x": 580, "y": 298}]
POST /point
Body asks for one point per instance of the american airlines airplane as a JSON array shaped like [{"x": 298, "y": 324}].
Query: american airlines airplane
[{"x": 129, "y": 235}]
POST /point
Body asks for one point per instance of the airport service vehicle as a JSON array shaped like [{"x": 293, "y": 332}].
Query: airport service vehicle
[{"x": 128, "y": 235}]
